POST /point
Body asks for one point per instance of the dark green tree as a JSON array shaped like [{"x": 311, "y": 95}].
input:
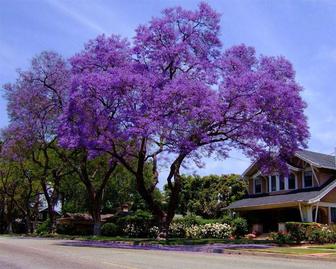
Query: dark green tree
[{"x": 208, "y": 196}]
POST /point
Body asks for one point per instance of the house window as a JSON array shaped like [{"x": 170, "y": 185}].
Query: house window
[
  {"x": 291, "y": 182},
  {"x": 257, "y": 185},
  {"x": 272, "y": 183},
  {"x": 333, "y": 214},
  {"x": 281, "y": 182},
  {"x": 308, "y": 179}
]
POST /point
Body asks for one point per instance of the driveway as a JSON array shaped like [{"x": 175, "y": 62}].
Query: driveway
[{"x": 29, "y": 253}]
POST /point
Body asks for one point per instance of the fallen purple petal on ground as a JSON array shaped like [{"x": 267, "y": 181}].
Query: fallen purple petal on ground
[{"x": 211, "y": 248}]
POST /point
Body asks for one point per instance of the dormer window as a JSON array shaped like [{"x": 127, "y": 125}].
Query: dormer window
[
  {"x": 257, "y": 185},
  {"x": 281, "y": 182},
  {"x": 272, "y": 183},
  {"x": 291, "y": 181},
  {"x": 308, "y": 179}
]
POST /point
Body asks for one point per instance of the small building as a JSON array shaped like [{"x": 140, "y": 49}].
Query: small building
[{"x": 306, "y": 193}]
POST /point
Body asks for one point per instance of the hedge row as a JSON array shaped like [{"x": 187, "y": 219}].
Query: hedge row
[
  {"x": 310, "y": 232},
  {"x": 142, "y": 224}
]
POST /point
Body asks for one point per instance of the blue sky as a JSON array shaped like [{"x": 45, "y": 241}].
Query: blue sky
[{"x": 302, "y": 31}]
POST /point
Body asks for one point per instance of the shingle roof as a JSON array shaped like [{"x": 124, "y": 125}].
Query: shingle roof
[
  {"x": 316, "y": 158},
  {"x": 304, "y": 196},
  {"x": 319, "y": 159}
]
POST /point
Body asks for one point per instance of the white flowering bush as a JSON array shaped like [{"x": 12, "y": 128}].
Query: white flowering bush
[
  {"x": 132, "y": 230},
  {"x": 177, "y": 230},
  {"x": 210, "y": 230},
  {"x": 154, "y": 231},
  {"x": 322, "y": 235},
  {"x": 194, "y": 232}
]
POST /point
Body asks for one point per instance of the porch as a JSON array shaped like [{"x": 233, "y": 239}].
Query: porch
[
  {"x": 266, "y": 220},
  {"x": 311, "y": 205}
]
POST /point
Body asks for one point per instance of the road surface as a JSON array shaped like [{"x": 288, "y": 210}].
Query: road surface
[{"x": 29, "y": 253}]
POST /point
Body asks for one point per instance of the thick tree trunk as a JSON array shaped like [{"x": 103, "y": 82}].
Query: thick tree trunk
[
  {"x": 9, "y": 217},
  {"x": 51, "y": 205},
  {"x": 97, "y": 227},
  {"x": 96, "y": 216},
  {"x": 9, "y": 228},
  {"x": 29, "y": 224},
  {"x": 164, "y": 217},
  {"x": 52, "y": 218},
  {"x": 95, "y": 193}
]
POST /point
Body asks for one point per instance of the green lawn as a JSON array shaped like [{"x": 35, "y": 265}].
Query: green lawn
[
  {"x": 323, "y": 249},
  {"x": 331, "y": 246}
]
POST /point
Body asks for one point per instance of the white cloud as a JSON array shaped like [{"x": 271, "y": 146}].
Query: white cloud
[{"x": 74, "y": 14}]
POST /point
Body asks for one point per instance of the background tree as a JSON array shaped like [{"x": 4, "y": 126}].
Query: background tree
[
  {"x": 175, "y": 92},
  {"x": 35, "y": 101},
  {"x": 208, "y": 196},
  {"x": 8, "y": 188},
  {"x": 94, "y": 174}
]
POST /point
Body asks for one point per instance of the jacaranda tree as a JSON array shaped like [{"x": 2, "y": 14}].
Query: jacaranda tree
[
  {"x": 174, "y": 95},
  {"x": 35, "y": 102}
]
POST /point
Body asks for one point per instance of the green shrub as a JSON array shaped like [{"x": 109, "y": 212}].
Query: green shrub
[
  {"x": 281, "y": 238},
  {"x": 301, "y": 231},
  {"x": 43, "y": 228},
  {"x": 137, "y": 224},
  {"x": 240, "y": 227},
  {"x": 226, "y": 219},
  {"x": 322, "y": 235},
  {"x": 110, "y": 229},
  {"x": 189, "y": 220}
]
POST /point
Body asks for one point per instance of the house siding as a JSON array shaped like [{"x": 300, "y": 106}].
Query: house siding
[
  {"x": 323, "y": 175},
  {"x": 330, "y": 197},
  {"x": 250, "y": 186}
]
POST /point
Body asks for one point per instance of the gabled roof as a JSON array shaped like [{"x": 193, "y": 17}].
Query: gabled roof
[
  {"x": 304, "y": 197},
  {"x": 317, "y": 159}
]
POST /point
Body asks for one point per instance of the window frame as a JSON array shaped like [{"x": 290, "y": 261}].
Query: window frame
[
  {"x": 304, "y": 181},
  {"x": 276, "y": 183},
  {"x": 331, "y": 214},
  {"x": 295, "y": 181},
  {"x": 284, "y": 182},
  {"x": 254, "y": 184}
]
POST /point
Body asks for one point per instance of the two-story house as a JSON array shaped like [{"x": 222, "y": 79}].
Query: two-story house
[{"x": 307, "y": 193}]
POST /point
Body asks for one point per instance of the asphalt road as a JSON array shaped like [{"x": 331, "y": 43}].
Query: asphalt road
[{"x": 27, "y": 253}]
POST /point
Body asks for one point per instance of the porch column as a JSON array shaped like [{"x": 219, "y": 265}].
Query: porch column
[
  {"x": 316, "y": 212},
  {"x": 307, "y": 213}
]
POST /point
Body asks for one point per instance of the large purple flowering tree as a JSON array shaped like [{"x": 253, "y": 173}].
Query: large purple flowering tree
[
  {"x": 174, "y": 95},
  {"x": 35, "y": 102}
]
